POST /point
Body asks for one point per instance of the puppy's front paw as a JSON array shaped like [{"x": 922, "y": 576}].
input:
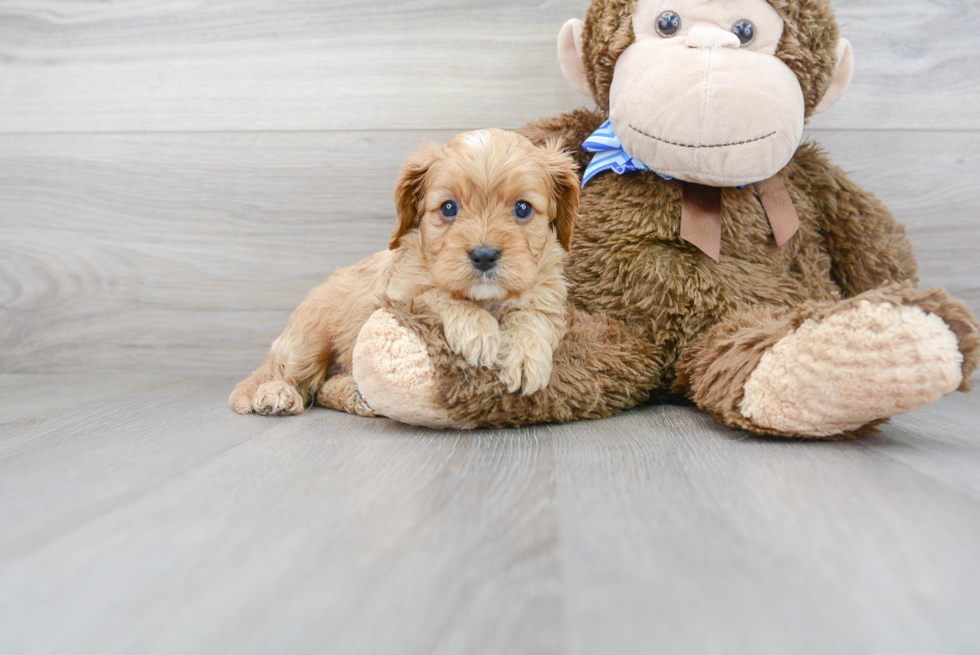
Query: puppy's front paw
[
  {"x": 525, "y": 365},
  {"x": 475, "y": 337},
  {"x": 277, "y": 398}
]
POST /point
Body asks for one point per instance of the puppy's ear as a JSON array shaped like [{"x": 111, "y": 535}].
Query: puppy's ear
[
  {"x": 410, "y": 191},
  {"x": 565, "y": 185}
]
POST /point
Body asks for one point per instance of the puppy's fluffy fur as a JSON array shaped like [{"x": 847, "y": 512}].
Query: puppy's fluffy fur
[{"x": 510, "y": 317}]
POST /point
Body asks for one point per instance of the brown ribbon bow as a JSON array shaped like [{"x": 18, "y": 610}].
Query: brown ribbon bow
[{"x": 701, "y": 214}]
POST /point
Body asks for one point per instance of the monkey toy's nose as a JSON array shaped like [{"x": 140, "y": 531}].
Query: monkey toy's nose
[
  {"x": 712, "y": 38},
  {"x": 485, "y": 258}
]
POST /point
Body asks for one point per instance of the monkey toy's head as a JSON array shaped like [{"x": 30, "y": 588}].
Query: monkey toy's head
[{"x": 714, "y": 92}]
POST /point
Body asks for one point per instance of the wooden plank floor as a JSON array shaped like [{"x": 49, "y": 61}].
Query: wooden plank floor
[{"x": 139, "y": 515}]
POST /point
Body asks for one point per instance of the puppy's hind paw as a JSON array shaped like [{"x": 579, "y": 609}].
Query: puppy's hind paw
[
  {"x": 278, "y": 398},
  {"x": 360, "y": 407},
  {"x": 340, "y": 393}
]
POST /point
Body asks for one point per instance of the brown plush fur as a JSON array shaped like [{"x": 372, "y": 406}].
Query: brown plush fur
[
  {"x": 511, "y": 317},
  {"x": 672, "y": 318}
]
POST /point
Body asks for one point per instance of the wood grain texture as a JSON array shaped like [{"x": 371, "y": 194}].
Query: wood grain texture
[
  {"x": 141, "y": 515},
  {"x": 168, "y": 524},
  {"x": 188, "y": 252},
  {"x": 297, "y": 65},
  {"x": 696, "y": 539},
  {"x": 156, "y": 241},
  {"x": 165, "y": 65}
]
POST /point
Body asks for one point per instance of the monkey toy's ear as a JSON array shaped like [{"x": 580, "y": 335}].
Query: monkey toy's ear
[
  {"x": 842, "y": 77},
  {"x": 570, "y": 55}
]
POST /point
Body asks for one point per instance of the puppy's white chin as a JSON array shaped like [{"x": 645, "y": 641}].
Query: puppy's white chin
[{"x": 486, "y": 291}]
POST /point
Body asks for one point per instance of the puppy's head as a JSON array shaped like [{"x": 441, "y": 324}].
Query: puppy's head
[{"x": 490, "y": 207}]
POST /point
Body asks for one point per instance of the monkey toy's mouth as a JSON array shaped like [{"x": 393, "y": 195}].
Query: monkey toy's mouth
[{"x": 698, "y": 147}]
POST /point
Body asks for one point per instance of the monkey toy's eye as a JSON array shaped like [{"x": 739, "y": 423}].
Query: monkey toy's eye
[
  {"x": 523, "y": 210},
  {"x": 449, "y": 210},
  {"x": 669, "y": 24},
  {"x": 745, "y": 31}
]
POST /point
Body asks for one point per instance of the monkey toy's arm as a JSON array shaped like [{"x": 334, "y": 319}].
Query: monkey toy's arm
[
  {"x": 405, "y": 369},
  {"x": 572, "y": 129},
  {"x": 867, "y": 246}
]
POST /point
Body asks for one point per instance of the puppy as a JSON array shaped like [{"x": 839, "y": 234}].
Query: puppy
[{"x": 484, "y": 223}]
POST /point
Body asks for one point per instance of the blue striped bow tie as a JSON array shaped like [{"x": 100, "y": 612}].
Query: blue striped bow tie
[
  {"x": 701, "y": 214},
  {"x": 609, "y": 155}
]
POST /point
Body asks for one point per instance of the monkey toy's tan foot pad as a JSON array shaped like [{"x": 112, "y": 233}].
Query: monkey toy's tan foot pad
[
  {"x": 395, "y": 375},
  {"x": 849, "y": 368}
]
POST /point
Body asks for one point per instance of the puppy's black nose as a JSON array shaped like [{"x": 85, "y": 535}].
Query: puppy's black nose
[{"x": 485, "y": 258}]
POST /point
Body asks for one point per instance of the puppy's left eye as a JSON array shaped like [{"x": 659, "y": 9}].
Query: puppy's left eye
[
  {"x": 449, "y": 210},
  {"x": 523, "y": 210}
]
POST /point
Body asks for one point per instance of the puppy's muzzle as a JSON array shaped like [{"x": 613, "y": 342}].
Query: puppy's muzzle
[{"x": 484, "y": 258}]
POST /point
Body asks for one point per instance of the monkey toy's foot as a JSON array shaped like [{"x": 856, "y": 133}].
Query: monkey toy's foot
[
  {"x": 862, "y": 361},
  {"x": 395, "y": 375}
]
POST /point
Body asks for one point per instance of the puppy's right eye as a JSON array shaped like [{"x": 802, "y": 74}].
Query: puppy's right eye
[
  {"x": 449, "y": 210},
  {"x": 523, "y": 210}
]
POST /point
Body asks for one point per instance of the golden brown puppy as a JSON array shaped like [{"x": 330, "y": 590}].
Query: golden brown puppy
[{"x": 483, "y": 227}]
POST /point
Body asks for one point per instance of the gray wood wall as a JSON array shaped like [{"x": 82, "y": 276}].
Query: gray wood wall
[{"x": 176, "y": 175}]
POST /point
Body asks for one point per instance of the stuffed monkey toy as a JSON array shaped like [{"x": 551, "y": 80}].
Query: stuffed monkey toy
[{"x": 717, "y": 257}]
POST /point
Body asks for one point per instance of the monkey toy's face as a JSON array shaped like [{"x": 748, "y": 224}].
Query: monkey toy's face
[{"x": 699, "y": 95}]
